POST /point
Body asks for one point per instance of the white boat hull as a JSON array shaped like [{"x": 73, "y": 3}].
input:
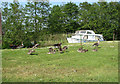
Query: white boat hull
[{"x": 71, "y": 40}]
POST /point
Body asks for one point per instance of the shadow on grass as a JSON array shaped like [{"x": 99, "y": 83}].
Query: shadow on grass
[
  {"x": 66, "y": 51},
  {"x": 99, "y": 47},
  {"x": 34, "y": 54},
  {"x": 61, "y": 52}
]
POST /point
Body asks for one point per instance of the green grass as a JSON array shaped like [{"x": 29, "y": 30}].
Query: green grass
[{"x": 100, "y": 66}]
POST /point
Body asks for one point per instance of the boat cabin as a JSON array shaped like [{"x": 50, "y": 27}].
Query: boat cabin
[{"x": 85, "y": 36}]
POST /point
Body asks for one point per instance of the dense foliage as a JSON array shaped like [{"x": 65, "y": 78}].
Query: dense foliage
[{"x": 35, "y": 20}]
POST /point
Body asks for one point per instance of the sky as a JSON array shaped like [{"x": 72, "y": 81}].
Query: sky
[{"x": 60, "y": 2}]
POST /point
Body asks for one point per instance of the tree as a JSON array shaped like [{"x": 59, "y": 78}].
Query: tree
[
  {"x": 101, "y": 17},
  {"x": 36, "y": 16},
  {"x": 12, "y": 24},
  {"x": 71, "y": 14},
  {"x": 56, "y": 20},
  {"x": 84, "y": 15},
  {"x": 109, "y": 19}
]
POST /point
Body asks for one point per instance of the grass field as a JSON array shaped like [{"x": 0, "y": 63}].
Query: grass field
[{"x": 100, "y": 66}]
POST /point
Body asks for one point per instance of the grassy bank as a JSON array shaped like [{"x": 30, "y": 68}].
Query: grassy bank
[{"x": 100, "y": 66}]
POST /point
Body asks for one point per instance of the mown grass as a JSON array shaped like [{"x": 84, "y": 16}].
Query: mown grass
[{"x": 100, "y": 66}]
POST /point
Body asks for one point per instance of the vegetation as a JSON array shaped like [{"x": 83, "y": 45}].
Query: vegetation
[
  {"x": 70, "y": 66},
  {"x": 36, "y": 20}
]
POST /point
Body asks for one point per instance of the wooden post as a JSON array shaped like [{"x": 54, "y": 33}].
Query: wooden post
[{"x": 113, "y": 35}]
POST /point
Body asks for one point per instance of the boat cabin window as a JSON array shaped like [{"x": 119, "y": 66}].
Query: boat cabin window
[
  {"x": 89, "y": 32},
  {"x": 82, "y": 31},
  {"x": 85, "y": 37},
  {"x": 97, "y": 37}
]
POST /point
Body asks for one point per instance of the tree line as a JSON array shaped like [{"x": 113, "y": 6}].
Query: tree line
[{"x": 36, "y": 20}]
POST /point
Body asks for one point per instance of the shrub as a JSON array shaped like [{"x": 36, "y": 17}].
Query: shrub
[{"x": 28, "y": 44}]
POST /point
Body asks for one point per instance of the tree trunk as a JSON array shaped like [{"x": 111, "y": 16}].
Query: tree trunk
[
  {"x": 113, "y": 36},
  {"x": 0, "y": 30},
  {"x": 0, "y": 24}
]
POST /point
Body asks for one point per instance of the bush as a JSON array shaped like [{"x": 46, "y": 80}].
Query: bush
[
  {"x": 41, "y": 44},
  {"x": 28, "y": 44},
  {"x": 5, "y": 45}
]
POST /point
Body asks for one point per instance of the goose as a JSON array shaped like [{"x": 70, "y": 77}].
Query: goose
[
  {"x": 96, "y": 44},
  {"x": 82, "y": 50},
  {"x": 21, "y": 46},
  {"x": 57, "y": 45},
  {"x": 31, "y": 51},
  {"x": 85, "y": 50},
  {"x": 51, "y": 51},
  {"x": 61, "y": 50},
  {"x": 65, "y": 48},
  {"x": 95, "y": 50},
  {"x": 13, "y": 46},
  {"x": 35, "y": 46}
]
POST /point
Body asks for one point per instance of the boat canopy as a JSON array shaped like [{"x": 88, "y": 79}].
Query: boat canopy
[{"x": 85, "y": 32}]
